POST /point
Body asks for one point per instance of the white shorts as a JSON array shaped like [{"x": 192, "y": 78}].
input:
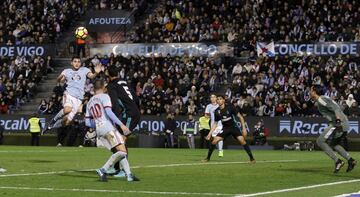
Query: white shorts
[
  {"x": 111, "y": 139},
  {"x": 74, "y": 103},
  {"x": 218, "y": 130}
]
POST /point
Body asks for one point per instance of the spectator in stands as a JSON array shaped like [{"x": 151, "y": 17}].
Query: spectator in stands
[
  {"x": 3, "y": 108},
  {"x": 43, "y": 107},
  {"x": 259, "y": 133},
  {"x": 354, "y": 110},
  {"x": 27, "y": 22}
]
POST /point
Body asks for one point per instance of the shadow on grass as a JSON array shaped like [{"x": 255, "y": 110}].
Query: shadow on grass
[
  {"x": 41, "y": 161},
  {"x": 89, "y": 175}
]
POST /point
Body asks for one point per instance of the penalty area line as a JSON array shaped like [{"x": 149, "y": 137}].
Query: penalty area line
[{"x": 149, "y": 166}]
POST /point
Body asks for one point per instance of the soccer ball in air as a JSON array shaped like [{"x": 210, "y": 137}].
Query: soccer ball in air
[{"x": 81, "y": 32}]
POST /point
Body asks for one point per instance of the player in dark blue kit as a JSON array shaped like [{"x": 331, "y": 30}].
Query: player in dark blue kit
[
  {"x": 227, "y": 114},
  {"x": 124, "y": 105},
  {"x": 124, "y": 100}
]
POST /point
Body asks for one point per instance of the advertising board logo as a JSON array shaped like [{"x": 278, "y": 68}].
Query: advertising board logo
[
  {"x": 285, "y": 126},
  {"x": 354, "y": 126},
  {"x": 299, "y": 127}
]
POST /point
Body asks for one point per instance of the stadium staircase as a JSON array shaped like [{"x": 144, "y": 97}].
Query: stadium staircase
[{"x": 45, "y": 88}]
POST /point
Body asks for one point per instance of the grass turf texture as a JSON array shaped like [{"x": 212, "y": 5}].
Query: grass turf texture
[{"x": 310, "y": 168}]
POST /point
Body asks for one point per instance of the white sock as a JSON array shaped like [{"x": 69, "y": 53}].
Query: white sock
[
  {"x": 126, "y": 166},
  {"x": 59, "y": 115},
  {"x": 113, "y": 159},
  {"x": 57, "y": 124},
  {"x": 220, "y": 145}
]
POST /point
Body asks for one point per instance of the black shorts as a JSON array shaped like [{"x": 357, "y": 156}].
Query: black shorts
[
  {"x": 235, "y": 132},
  {"x": 338, "y": 140}
]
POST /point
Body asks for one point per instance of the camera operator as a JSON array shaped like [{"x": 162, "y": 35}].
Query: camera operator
[{"x": 259, "y": 133}]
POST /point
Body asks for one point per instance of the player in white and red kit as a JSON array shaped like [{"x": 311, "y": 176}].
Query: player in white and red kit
[
  {"x": 75, "y": 79},
  {"x": 100, "y": 116},
  {"x": 209, "y": 112}
]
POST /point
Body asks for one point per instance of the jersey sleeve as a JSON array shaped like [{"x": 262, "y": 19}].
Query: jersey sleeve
[
  {"x": 85, "y": 71},
  {"x": 106, "y": 101},
  {"x": 64, "y": 72},
  {"x": 217, "y": 115},
  {"x": 330, "y": 105},
  {"x": 207, "y": 110}
]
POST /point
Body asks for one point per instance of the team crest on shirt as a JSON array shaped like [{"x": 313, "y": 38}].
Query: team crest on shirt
[{"x": 76, "y": 77}]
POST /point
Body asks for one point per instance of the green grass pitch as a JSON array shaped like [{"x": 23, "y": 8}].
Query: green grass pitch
[{"x": 52, "y": 171}]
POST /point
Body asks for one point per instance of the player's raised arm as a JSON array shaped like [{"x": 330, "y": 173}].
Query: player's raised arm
[{"x": 98, "y": 68}]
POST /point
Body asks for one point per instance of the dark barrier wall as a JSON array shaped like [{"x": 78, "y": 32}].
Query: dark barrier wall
[{"x": 278, "y": 126}]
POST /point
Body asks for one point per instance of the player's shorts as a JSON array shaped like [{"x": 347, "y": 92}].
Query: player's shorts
[
  {"x": 334, "y": 136},
  {"x": 111, "y": 139},
  {"x": 74, "y": 103},
  {"x": 218, "y": 130},
  {"x": 233, "y": 131}
]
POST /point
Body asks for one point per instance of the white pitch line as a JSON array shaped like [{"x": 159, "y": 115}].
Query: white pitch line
[
  {"x": 298, "y": 188},
  {"x": 116, "y": 191},
  {"x": 149, "y": 166}
]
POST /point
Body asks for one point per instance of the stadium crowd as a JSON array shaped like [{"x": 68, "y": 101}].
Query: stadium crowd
[
  {"x": 247, "y": 22},
  {"x": 29, "y": 22},
  {"x": 18, "y": 78},
  {"x": 116, "y": 4},
  {"x": 281, "y": 86},
  {"x": 266, "y": 87},
  {"x": 181, "y": 85}
]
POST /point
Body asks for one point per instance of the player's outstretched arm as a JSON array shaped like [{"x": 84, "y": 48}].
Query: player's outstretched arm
[
  {"x": 98, "y": 68},
  {"x": 116, "y": 120}
]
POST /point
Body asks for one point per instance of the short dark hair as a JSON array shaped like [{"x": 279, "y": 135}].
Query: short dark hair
[
  {"x": 113, "y": 71},
  {"x": 99, "y": 83},
  {"x": 318, "y": 89},
  {"x": 75, "y": 57},
  {"x": 221, "y": 95}
]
